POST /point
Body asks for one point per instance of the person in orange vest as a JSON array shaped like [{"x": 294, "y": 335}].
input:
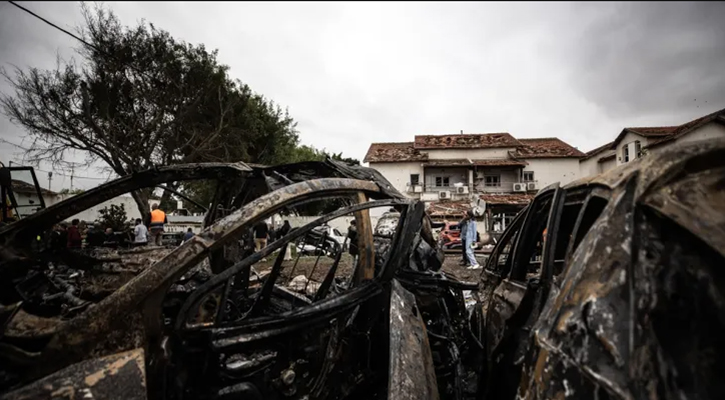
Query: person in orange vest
[{"x": 156, "y": 225}]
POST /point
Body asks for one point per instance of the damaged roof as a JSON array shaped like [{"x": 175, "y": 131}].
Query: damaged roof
[
  {"x": 463, "y": 162},
  {"x": 664, "y": 134},
  {"x": 507, "y": 198},
  {"x": 523, "y": 148},
  {"x": 467, "y": 141},
  {"x": 438, "y": 209},
  {"x": 394, "y": 152},
  {"x": 546, "y": 148}
]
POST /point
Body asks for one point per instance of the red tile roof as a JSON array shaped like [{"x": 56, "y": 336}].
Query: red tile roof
[
  {"x": 507, "y": 198},
  {"x": 546, "y": 148},
  {"x": 393, "y": 152},
  {"x": 464, "y": 162},
  {"x": 467, "y": 141},
  {"x": 664, "y": 134},
  {"x": 688, "y": 127}
]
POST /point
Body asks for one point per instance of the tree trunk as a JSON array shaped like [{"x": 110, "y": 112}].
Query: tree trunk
[{"x": 142, "y": 202}]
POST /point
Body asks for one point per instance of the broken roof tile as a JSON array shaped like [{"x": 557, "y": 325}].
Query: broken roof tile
[
  {"x": 438, "y": 209},
  {"x": 546, "y": 148},
  {"x": 507, "y": 198},
  {"x": 394, "y": 152},
  {"x": 465, "y": 162},
  {"x": 466, "y": 141}
]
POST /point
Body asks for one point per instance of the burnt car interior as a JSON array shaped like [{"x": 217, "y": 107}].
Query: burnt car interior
[{"x": 209, "y": 319}]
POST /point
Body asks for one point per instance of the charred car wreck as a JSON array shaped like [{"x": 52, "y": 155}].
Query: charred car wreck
[
  {"x": 609, "y": 287},
  {"x": 201, "y": 321}
]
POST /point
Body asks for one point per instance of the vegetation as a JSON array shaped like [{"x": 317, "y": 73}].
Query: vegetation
[
  {"x": 114, "y": 216},
  {"x": 139, "y": 98}
]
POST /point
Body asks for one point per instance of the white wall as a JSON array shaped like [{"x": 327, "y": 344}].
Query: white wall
[
  {"x": 550, "y": 170},
  {"x": 454, "y": 174},
  {"x": 593, "y": 167},
  {"x": 607, "y": 165},
  {"x": 398, "y": 174},
  {"x": 473, "y": 154}
]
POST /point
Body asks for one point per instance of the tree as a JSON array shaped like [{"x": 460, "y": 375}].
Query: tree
[
  {"x": 140, "y": 98},
  {"x": 114, "y": 216}
]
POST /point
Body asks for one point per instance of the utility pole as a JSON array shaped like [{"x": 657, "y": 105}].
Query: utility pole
[
  {"x": 72, "y": 170},
  {"x": 50, "y": 179}
]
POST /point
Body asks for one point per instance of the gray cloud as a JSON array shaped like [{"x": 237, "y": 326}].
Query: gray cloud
[
  {"x": 650, "y": 58},
  {"x": 354, "y": 73}
]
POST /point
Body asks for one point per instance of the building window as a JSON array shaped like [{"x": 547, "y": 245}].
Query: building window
[
  {"x": 493, "y": 180},
  {"x": 414, "y": 179},
  {"x": 442, "y": 181},
  {"x": 528, "y": 176},
  {"x": 638, "y": 148},
  {"x": 625, "y": 153}
]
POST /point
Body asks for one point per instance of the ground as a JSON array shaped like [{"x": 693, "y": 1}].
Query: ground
[{"x": 306, "y": 266}]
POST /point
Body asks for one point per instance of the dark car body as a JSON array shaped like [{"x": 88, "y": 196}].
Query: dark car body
[
  {"x": 197, "y": 321},
  {"x": 622, "y": 296}
]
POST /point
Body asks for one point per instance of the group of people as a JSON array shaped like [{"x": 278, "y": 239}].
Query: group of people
[
  {"x": 262, "y": 234},
  {"x": 72, "y": 237},
  {"x": 469, "y": 239}
]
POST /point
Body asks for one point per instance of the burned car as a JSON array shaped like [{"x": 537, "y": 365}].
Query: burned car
[
  {"x": 611, "y": 287},
  {"x": 206, "y": 320}
]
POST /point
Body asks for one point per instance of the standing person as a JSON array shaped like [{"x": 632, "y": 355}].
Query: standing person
[
  {"x": 353, "y": 250},
  {"x": 471, "y": 241},
  {"x": 284, "y": 230},
  {"x": 462, "y": 225},
  {"x": 140, "y": 234},
  {"x": 188, "y": 235},
  {"x": 75, "y": 241},
  {"x": 156, "y": 224},
  {"x": 94, "y": 237},
  {"x": 261, "y": 234}
]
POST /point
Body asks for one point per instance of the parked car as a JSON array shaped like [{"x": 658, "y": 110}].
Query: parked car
[
  {"x": 612, "y": 287},
  {"x": 450, "y": 237}
]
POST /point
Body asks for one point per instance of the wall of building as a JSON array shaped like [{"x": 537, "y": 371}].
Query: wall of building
[
  {"x": 455, "y": 175},
  {"x": 473, "y": 154},
  {"x": 398, "y": 174},
  {"x": 507, "y": 175},
  {"x": 550, "y": 170},
  {"x": 607, "y": 165}
]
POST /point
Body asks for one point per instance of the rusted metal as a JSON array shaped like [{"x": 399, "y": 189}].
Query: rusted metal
[
  {"x": 119, "y": 376},
  {"x": 366, "y": 267},
  {"x": 636, "y": 311},
  {"x": 412, "y": 374}
]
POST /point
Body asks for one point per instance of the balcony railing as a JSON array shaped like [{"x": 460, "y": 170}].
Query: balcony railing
[{"x": 502, "y": 187}]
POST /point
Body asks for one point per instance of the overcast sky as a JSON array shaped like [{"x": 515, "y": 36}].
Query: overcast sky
[{"x": 356, "y": 73}]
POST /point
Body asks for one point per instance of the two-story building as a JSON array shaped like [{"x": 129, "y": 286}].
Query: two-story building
[
  {"x": 632, "y": 143},
  {"x": 449, "y": 171}
]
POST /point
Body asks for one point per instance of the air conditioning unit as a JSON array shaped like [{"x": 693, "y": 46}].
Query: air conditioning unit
[
  {"x": 444, "y": 194},
  {"x": 418, "y": 189},
  {"x": 532, "y": 186},
  {"x": 462, "y": 190},
  {"x": 519, "y": 187}
]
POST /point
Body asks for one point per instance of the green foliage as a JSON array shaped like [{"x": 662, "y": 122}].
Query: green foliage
[
  {"x": 69, "y": 191},
  {"x": 154, "y": 101},
  {"x": 114, "y": 216}
]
